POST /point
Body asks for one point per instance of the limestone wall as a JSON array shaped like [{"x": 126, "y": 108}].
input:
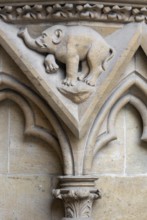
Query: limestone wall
[{"x": 29, "y": 167}]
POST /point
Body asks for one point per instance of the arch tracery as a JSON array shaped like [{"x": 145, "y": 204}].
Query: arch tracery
[
  {"x": 108, "y": 110},
  {"x": 18, "y": 90}
]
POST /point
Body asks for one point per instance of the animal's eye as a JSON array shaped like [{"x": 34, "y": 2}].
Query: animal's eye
[
  {"x": 44, "y": 35},
  {"x": 58, "y": 33}
]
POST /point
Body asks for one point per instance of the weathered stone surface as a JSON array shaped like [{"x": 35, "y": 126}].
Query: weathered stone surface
[
  {"x": 4, "y": 136},
  {"x": 123, "y": 198},
  {"x": 32, "y": 154},
  {"x": 136, "y": 151},
  {"x": 8, "y": 66},
  {"x": 140, "y": 62},
  {"x": 127, "y": 155},
  {"x": 28, "y": 197},
  {"x": 110, "y": 158}
]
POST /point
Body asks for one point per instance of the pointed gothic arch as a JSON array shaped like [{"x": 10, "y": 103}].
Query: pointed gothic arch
[
  {"x": 23, "y": 92},
  {"x": 123, "y": 89}
]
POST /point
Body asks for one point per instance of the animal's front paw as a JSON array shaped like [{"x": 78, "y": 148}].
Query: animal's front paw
[
  {"x": 69, "y": 81},
  {"x": 51, "y": 67}
]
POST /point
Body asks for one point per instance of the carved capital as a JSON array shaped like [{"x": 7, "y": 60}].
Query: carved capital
[{"x": 78, "y": 195}]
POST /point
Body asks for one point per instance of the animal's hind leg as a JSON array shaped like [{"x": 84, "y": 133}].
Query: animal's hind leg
[
  {"x": 71, "y": 70},
  {"x": 93, "y": 76},
  {"x": 95, "y": 65},
  {"x": 84, "y": 72}
]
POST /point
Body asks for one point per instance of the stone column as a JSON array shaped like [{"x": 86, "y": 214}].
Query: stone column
[{"x": 78, "y": 194}]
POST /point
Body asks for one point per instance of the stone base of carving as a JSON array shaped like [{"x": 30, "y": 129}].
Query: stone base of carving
[
  {"x": 78, "y": 93},
  {"x": 78, "y": 194}
]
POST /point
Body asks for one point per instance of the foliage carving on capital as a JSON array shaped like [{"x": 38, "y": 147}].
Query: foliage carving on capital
[{"x": 77, "y": 202}]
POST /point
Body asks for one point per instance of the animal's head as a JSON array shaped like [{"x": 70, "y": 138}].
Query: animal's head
[{"x": 51, "y": 37}]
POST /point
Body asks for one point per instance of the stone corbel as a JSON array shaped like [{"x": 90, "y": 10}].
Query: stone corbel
[{"x": 78, "y": 194}]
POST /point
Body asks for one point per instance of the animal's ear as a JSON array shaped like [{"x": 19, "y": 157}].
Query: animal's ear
[{"x": 57, "y": 36}]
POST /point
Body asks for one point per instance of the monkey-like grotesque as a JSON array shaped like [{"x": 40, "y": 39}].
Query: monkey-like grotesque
[{"x": 71, "y": 45}]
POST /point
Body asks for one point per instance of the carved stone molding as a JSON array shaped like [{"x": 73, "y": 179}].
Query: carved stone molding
[
  {"x": 69, "y": 11},
  {"x": 78, "y": 194}
]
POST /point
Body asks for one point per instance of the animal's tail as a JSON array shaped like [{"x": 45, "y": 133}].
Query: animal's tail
[{"x": 111, "y": 51}]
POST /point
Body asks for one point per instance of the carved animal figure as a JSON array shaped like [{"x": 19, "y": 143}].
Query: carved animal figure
[{"x": 70, "y": 45}]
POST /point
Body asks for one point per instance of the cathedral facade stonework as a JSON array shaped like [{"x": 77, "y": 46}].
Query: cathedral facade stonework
[{"x": 73, "y": 110}]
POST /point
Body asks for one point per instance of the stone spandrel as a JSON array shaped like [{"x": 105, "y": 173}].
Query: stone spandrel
[{"x": 73, "y": 114}]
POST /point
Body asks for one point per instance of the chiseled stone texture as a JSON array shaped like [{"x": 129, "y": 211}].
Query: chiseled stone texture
[
  {"x": 28, "y": 171},
  {"x": 123, "y": 183},
  {"x": 32, "y": 154},
  {"x": 128, "y": 154},
  {"x": 110, "y": 159},
  {"x": 27, "y": 197},
  {"x": 4, "y": 142},
  {"x": 123, "y": 198},
  {"x": 136, "y": 150},
  {"x": 28, "y": 166}
]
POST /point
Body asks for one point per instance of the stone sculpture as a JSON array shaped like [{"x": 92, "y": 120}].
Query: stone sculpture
[{"x": 72, "y": 45}]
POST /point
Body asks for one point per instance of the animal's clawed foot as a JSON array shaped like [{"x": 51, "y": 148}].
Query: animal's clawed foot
[
  {"x": 69, "y": 81},
  {"x": 81, "y": 78},
  {"x": 90, "y": 81},
  {"x": 51, "y": 67}
]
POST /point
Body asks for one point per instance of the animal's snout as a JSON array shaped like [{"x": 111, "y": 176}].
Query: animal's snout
[{"x": 40, "y": 42}]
